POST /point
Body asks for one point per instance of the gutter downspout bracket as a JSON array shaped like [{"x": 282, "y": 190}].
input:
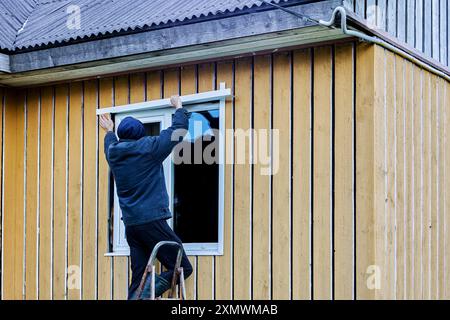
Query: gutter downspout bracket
[{"x": 364, "y": 37}]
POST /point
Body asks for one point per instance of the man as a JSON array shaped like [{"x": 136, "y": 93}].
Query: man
[{"x": 136, "y": 161}]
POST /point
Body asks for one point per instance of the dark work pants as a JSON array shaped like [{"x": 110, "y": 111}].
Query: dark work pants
[{"x": 142, "y": 239}]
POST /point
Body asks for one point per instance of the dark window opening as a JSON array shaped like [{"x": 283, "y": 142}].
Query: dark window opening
[
  {"x": 196, "y": 184},
  {"x": 152, "y": 128}
]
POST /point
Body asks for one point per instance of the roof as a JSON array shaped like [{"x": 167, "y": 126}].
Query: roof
[
  {"x": 34, "y": 23},
  {"x": 13, "y": 15}
]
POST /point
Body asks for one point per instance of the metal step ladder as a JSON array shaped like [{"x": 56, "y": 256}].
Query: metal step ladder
[{"x": 178, "y": 274}]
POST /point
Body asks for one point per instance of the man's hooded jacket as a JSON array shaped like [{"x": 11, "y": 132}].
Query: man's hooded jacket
[{"x": 136, "y": 163}]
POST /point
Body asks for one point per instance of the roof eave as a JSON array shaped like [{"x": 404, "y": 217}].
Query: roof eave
[{"x": 227, "y": 37}]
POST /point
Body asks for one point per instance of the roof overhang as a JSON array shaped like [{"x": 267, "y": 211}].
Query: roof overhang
[
  {"x": 4, "y": 63},
  {"x": 232, "y": 36}
]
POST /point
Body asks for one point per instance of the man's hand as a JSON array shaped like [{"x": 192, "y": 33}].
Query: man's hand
[
  {"x": 176, "y": 102},
  {"x": 106, "y": 123}
]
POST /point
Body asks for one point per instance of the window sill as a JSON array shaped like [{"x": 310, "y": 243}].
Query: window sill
[
  {"x": 189, "y": 253},
  {"x": 117, "y": 254}
]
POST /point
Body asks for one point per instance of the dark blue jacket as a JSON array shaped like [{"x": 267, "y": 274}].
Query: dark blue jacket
[{"x": 138, "y": 172}]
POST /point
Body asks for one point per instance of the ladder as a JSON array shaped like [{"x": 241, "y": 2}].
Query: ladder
[{"x": 178, "y": 274}]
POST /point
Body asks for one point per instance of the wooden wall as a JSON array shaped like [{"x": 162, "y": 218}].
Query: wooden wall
[
  {"x": 412, "y": 180},
  {"x": 423, "y": 24},
  {"x": 310, "y": 231}
]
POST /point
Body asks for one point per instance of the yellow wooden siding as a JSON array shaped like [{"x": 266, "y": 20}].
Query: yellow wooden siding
[
  {"x": 89, "y": 231},
  {"x": 343, "y": 186},
  {"x": 13, "y": 196},
  {"x": 302, "y": 176},
  {"x": 360, "y": 183},
  {"x": 105, "y": 264},
  {"x": 322, "y": 162},
  {"x": 74, "y": 218},
  {"x": 411, "y": 172},
  {"x": 31, "y": 231},
  {"x": 242, "y": 201},
  {"x": 46, "y": 194},
  {"x": 223, "y": 277},
  {"x": 364, "y": 164},
  {"x": 281, "y": 214},
  {"x": 261, "y": 181}
]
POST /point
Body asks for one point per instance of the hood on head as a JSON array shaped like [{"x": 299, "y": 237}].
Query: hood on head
[{"x": 131, "y": 129}]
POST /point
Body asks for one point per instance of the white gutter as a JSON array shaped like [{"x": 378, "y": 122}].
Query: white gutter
[{"x": 342, "y": 11}]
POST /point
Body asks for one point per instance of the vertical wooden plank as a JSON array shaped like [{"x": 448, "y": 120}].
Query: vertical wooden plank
[
  {"x": 60, "y": 193},
  {"x": 137, "y": 88},
  {"x": 46, "y": 194},
  {"x": 74, "y": 201},
  {"x": 448, "y": 34},
  {"x": 410, "y": 22},
  {"x": 281, "y": 219},
  {"x": 31, "y": 248},
  {"x": 401, "y": 20},
  {"x": 188, "y": 86},
  {"x": 435, "y": 34},
  {"x": 380, "y": 171},
  {"x": 171, "y": 82},
  {"x": 427, "y": 29},
  {"x": 381, "y": 14},
  {"x": 392, "y": 17},
  {"x": 13, "y": 207},
  {"x": 89, "y": 286},
  {"x": 418, "y": 195},
  {"x": 400, "y": 100},
  {"x": 409, "y": 182},
  {"x": 434, "y": 192},
  {"x": 447, "y": 189},
  {"x": 443, "y": 29},
  {"x": 343, "y": 215},
  {"x": 418, "y": 26},
  {"x": 121, "y": 264},
  {"x": 371, "y": 13},
  {"x": 301, "y": 176},
  {"x": 441, "y": 190},
  {"x": 349, "y": 4},
  {"x": 241, "y": 246},
  {"x": 154, "y": 91},
  {"x": 360, "y": 8},
  {"x": 104, "y": 276},
  {"x": 261, "y": 179},
  {"x": 365, "y": 251},
  {"x": 426, "y": 240},
  {"x": 224, "y": 271},
  {"x": 322, "y": 206},
  {"x": 2, "y": 106},
  {"x": 391, "y": 158},
  {"x": 205, "y": 264}
]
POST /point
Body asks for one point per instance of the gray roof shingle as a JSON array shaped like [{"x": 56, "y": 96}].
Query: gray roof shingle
[
  {"x": 13, "y": 15},
  {"x": 44, "y": 22}
]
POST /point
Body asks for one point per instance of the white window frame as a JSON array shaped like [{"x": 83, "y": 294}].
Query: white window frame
[{"x": 161, "y": 111}]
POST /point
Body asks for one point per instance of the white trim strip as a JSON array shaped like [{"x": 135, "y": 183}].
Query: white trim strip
[{"x": 215, "y": 95}]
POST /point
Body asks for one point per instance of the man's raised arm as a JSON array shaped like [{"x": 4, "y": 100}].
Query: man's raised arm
[{"x": 166, "y": 141}]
